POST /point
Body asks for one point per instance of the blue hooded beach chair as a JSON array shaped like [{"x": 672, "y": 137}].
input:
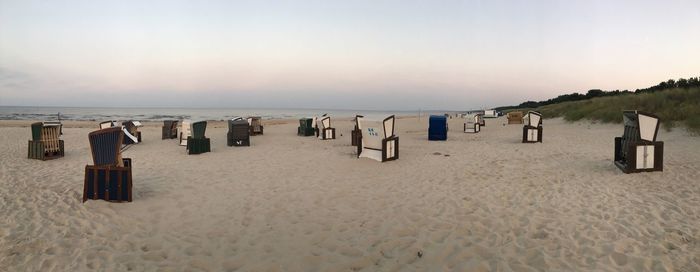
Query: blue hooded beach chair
[{"x": 437, "y": 128}]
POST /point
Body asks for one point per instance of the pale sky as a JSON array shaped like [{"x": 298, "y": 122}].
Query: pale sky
[{"x": 398, "y": 55}]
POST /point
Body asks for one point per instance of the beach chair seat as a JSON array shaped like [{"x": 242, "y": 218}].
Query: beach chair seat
[
  {"x": 198, "y": 143},
  {"x": 437, "y": 128},
  {"x": 638, "y": 150},
  {"x": 532, "y": 130},
  {"x": 356, "y": 134},
  {"x": 471, "y": 124},
  {"x": 255, "y": 125},
  {"x": 239, "y": 132},
  {"x": 169, "y": 129},
  {"x": 482, "y": 122},
  {"x": 324, "y": 130},
  {"x": 378, "y": 139},
  {"x": 109, "y": 178},
  {"x": 185, "y": 131},
  {"x": 515, "y": 117},
  {"x": 132, "y": 135},
  {"x": 45, "y": 143},
  {"x": 306, "y": 127}
]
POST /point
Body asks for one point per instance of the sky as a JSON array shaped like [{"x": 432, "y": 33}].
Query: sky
[{"x": 379, "y": 55}]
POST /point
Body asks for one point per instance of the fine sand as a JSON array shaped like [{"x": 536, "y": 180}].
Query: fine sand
[{"x": 477, "y": 202}]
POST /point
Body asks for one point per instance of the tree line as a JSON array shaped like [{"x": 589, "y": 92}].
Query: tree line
[{"x": 664, "y": 85}]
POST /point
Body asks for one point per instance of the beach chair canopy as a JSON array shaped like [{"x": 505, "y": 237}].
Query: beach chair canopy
[
  {"x": 198, "y": 129},
  {"x": 48, "y": 133},
  {"x": 108, "y": 124},
  {"x": 325, "y": 122},
  {"x": 534, "y": 119},
  {"x": 640, "y": 125},
  {"x": 437, "y": 127},
  {"x": 254, "y": 121},
  {"x": 306, "y": 122},
  {"x": 471, "y": 119},
  {"x": 236, "y": 119},
  {"x": 105, "y": 145},
  {"x": 238, "y": 125}
]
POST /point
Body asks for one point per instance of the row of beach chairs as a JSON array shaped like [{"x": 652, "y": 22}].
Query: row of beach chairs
[{"x": 110, "y": 175}]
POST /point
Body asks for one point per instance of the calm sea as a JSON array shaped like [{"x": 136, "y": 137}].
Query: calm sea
[{"x": 158, "y": 114}]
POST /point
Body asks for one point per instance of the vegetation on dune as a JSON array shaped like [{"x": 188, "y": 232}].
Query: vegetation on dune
[
  {"x": 674, "y": 107},
  {"x": 675, "y": 102}
]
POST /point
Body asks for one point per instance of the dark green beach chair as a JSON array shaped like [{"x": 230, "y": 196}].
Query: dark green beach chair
[
  {"x": 198, "y": 143},
  {"x": 45, "y": 143},
  {"x": 306, "y": 127}
]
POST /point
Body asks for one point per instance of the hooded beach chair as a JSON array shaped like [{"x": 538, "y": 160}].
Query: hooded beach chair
[
  {"x": 532, "y": 130},
  {"x": 198, "y": 143},
  {"x": 256, "y": 127},
  {"x": 109, "y": 177},
  {"x": 45, "y": 143},
  {"x": 108, "y": 124},
  {"x": 169, "y": 129},
  {"x": 515, "y": 117},
  {"x": 185, "y": 131},
  {"x": 356, "y": 134},
  {"x": 306, "y": 127},
  {"x": 132, "y": 135},
  {"x": 239, "y": 132},
  {"x": 637, "y": 150},
  {"x": 325, "y": 131},
  {"x": 471, "y": 124},
  {"x": 378, "y": 140},
  {"x": 437, "y": 128}
]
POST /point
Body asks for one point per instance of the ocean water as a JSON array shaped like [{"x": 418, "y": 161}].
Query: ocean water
[{"x": 159, "y": 114}]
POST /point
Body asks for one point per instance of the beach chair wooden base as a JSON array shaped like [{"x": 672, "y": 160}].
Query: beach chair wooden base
[
  {"x": 472, "y": 129},
  {"x": 232, "y": 141},
  {"x": 37, "y": 150},
  {"x": 198, "y": 146},
  {"x": 356, "y": 137},
  {"x": 641, "y": 156},
  {"x": 390, "y": 148},
  {"x": 532, "y": 134},
  {"x": 255, "y": 132},
  {"x": 110, "y": 183},
  {"x": 327, "y": 134},
  {"x": 306, "y": 131}
]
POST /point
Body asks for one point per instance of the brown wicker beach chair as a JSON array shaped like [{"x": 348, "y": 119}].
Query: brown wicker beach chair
[{"x": 45, "y": 143}]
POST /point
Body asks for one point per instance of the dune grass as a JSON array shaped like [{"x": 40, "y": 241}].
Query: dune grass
[{"x": 679, "y": 106}]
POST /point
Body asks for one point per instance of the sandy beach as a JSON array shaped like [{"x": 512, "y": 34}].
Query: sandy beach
[{"x": 477, "y": 202}]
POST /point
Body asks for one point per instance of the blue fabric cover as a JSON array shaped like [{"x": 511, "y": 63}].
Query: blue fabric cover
[{"x": 437, "y": 128}]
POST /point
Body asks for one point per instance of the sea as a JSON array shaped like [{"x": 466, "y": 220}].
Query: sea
[{"x": 159, "y": 114}]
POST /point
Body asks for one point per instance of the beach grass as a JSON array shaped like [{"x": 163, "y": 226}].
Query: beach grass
[{"x": 675, "y": 107}]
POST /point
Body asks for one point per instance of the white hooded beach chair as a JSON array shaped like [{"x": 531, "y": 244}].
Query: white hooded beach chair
[
  {"x": 378, "y": 139},
  {"x": 637, "y": 150},
  {"x": 532, "y": 130},
  {"x": 108, "y": 124},
  {"x": 325, "y": 131},
  {"x": 185, "y": 131},
  {"x": 471, "y": 124}
]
